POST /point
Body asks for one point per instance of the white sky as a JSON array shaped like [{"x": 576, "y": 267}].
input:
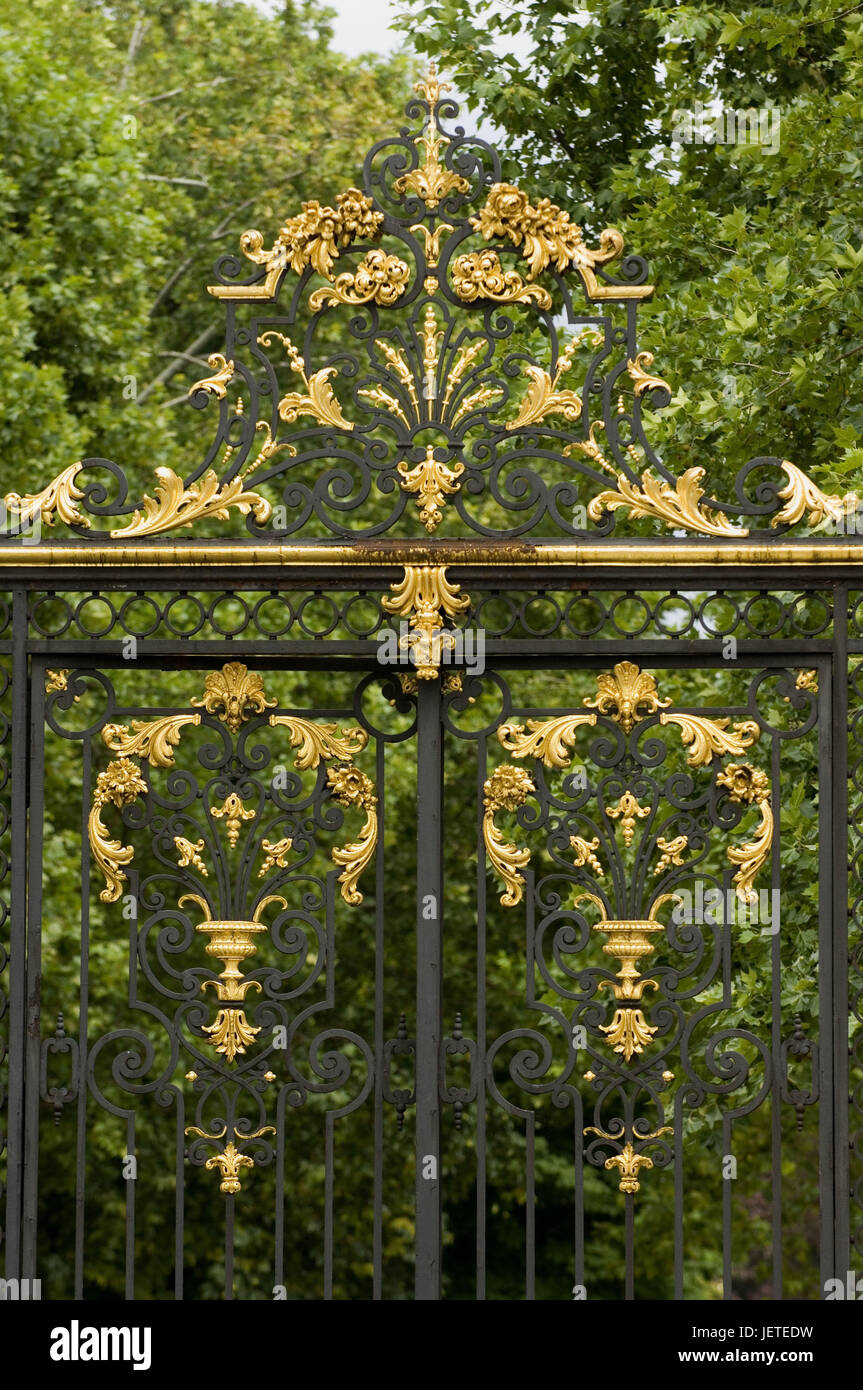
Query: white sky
[{"x": 362, "y": 26}]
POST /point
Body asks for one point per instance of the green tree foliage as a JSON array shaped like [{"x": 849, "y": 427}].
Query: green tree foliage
[
  {"x": 757, "y": 255},
  {"x": 137, "y": 141}
]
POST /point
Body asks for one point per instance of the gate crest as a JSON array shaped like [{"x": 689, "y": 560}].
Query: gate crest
[{"x": 434, "y": 355}]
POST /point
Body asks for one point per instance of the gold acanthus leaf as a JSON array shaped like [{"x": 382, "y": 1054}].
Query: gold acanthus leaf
[
  {"x": 480, "y": 275},
  {"x": 312, "y": 238},
  {"x": 217, "y": 384},
  {"x": 800, "y": 494},
  {"x": 189, "y": 854},
  {"x": 176, "y": 505},
  {"x": 543, "y": 396},
  {"x": 59, "y": 496},
  {"x": 433, "y": 482},
  {"x": 350, "y": 787},
  {"x": 546, "y": 236},
  {"x": 277, "y": 855},
  {"x": 120, "y": 784},
  {"x": 705, "y": 737},
  {"x": 153, "y": 739},
  {"x": 320, "y": 742},
  {"x": 506, "y": 790},
  {"x": 379, "y": 279},
  {"x": 747, "y": 784},
  {"x": 677, "y": 506},
  {"x": 542, "y": 399},
  {"x": 548, "y": 739},
  {"x": 642, "y": 379},
  {"x": 584, "y": 854},
  {"x": 319, "y": 401}
]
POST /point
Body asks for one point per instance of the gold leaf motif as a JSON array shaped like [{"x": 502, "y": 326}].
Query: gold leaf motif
[
  {"x": 176, "y": 505},
  {"x": 432, "y": 482},
  {"x": 350, "y": 787},
  {"x": 319, "y": 402},
  {"x": 59, "y": 496},
  {"x": 232, "y": 693},
  {"x": 233, "y": 812},
  {"x": 120, "y": 784},
  {"x": 543, "y": 396},
  {"x": 230, "y": 1160},
  {"x": 627, "y": 697},
  {"x": 229, "y": 1034},
  {"x": 506, "y": 790},
  {"x": 672, "y": 852},
  {"x": 320, "y": 742},
  {"x": 217, "y": 384},
  {"x": 312, "y": 238},
  {"x": 480, "y": 275},
  {"x": 431, "y": 237},
  {"x": 584, "y": 854},
  {"x": 628, "y": 1032},
  {"x": 548, "y": 738},
  {"x": 277, "y": 855},
  {"x": 641, "y": 377},
  {"x": 706, "y": 737},
  {"x": 384, "y": 401},
  {"x": 807, "y": 679},
  {"x": 188, "y": 854},
  {"x": 800, "y": 494},
  {"x": 59, "y": 681},
  {"x": 629, "y": 809},
  {"x": 153, "y": 739},
  {"x": 748, "y": 784},
  {"x": 628, "y": 1162},
  {"x": 379, "y": 279},
  {"x": 546, "y": 236},
  {"x": 677, "y": 506}
]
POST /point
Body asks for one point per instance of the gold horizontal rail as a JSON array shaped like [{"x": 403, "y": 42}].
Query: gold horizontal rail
[{"x": 637, "y": 553}]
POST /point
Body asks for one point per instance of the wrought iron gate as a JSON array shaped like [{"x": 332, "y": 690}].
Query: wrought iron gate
[{"x": 458, "y": 917}]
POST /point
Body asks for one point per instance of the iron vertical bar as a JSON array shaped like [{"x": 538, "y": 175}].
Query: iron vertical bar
[
  {"x": 35, "y": 840},
  {"x": 776, "y": 1030},
  {"x": 83, "y": 1027},
  {"x": 429, "y": 950},
  {"x": 380, "y": 897},
  {"x": 826, "y": 1001},
  {"x": 840, "y": 817},
  {"x": 17, "y": 933},
  {"x": 482, "y": 755}
]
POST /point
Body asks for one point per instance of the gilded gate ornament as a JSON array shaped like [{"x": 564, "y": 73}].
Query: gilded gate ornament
[
  {"x": 424, "y": 400},
  {"x": 627, "y": 698},
  {"x": 232, "y": 696}
]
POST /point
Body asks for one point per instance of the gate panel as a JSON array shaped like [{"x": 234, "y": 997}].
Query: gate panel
[
  {"x": 230, "y": 1072},
  {"x": 611, "y": 1082}
]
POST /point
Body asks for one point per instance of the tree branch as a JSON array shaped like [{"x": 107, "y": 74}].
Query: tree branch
[{"x": 178, "y": 357}]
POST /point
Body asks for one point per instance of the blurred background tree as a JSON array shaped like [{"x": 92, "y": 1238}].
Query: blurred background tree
[{"x": 756, "y": 249}]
